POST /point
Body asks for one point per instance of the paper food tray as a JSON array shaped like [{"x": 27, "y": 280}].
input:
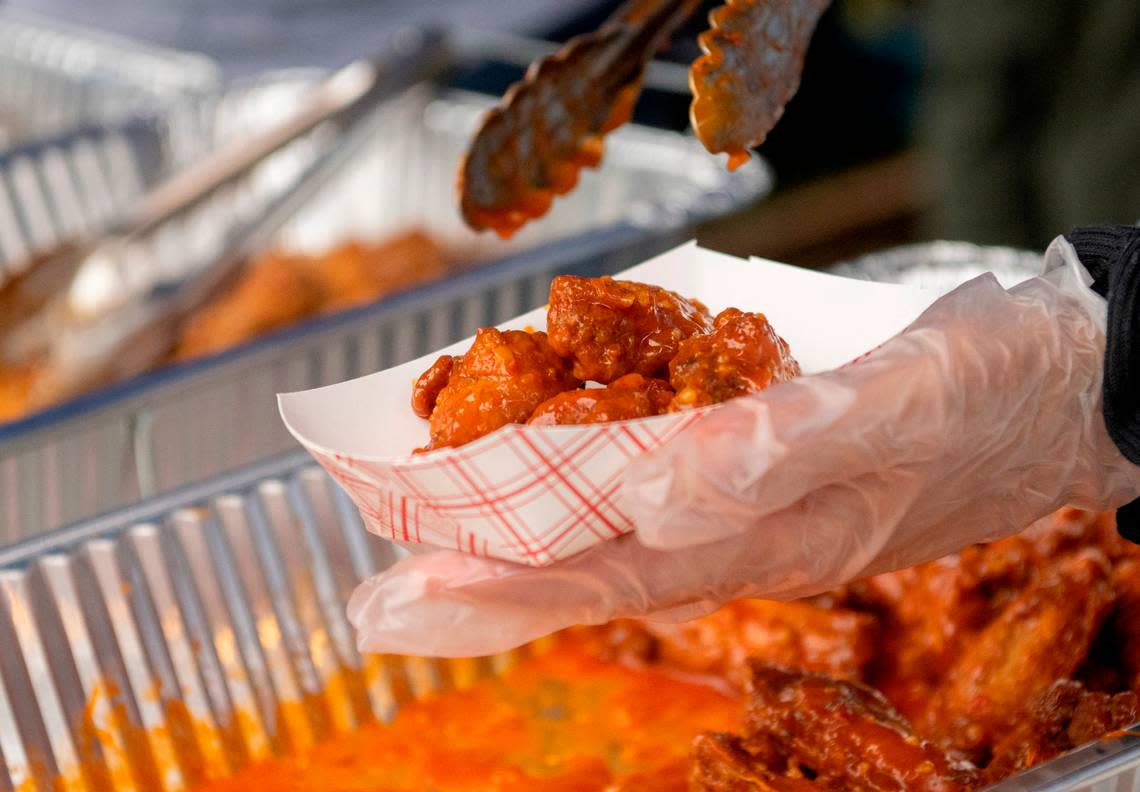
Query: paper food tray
[
  {"x": 535, "y": 495},
  {"x": 226, "y": 603}
]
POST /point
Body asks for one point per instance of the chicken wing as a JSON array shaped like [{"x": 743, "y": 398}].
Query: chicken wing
[
  {"x": 425, "y": 390},
  {"x": 360, "y": 272},
  {"x": 847, "y": 732},
  {"x": 1041, "y": 636},
  {"x": 724, "y": 763},
  {"x": 274, "y": 292},
  {"x": 795, "y": 635},
  {"x": 742, "y": 355},
  {"x": 631, "y": 396},
  {"x": 501, "y": 379},
  {"x": 931, "y": 612},
  {"x": 1065, "y": 716},
  {"x": 1099, "y": 714},
  {"x": 279, "y": 289},
  {"x": 611, "y": 328},
  {"x": 1125, "y": 626}
]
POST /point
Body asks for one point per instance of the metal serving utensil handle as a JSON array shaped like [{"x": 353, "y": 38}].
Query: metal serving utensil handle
[{"x": 416, "y": 56}]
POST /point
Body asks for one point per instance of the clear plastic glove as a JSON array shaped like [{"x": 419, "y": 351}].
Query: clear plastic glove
[{"x": 981, "y": 417}]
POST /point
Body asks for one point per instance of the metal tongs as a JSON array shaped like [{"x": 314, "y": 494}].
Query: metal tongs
[
  {"x": 552, "y": 123},
  {"x": 79, "y": 343}
]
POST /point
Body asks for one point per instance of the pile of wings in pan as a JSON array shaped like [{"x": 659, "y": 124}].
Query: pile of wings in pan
[
  {"x": 951, "y": 675},
  {"x": 550, "y": 125}
]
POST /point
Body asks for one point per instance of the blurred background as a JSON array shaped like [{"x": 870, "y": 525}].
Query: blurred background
[{"x": 999, "y": 123}]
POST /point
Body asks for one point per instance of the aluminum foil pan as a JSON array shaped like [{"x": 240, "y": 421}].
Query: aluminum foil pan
[
  {"x": 943, "y": 265},
  {"x": 179, "y": 425},
  {"x": 56, "y": 189},
  {"x": 88, "y": 122},
  {"x": 55, "y": 78},
  {"x": 207, "y": 628}
]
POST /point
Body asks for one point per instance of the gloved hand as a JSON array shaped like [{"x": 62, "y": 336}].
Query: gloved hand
[{"x": 981, "y": 417}]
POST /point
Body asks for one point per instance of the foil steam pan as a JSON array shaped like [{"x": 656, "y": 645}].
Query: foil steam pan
[
  {"x": 88, "y": 122},
  {"x": 206, "y": 629},
  {"x": 56, "y": 77}
]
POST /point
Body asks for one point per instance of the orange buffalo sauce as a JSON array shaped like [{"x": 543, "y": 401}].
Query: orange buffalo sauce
[{"x": 562, "y": 720}]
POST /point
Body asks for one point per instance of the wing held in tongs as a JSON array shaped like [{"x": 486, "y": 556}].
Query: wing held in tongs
[
  {"x": 753, "y": 56},
  {"x": 531, "y": 147}
]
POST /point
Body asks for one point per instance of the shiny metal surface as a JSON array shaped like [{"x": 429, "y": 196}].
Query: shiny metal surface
[
  {"x": 56, "y": 77},
  {"x": 183, "y": 639},
  {"x": 942, "y": 265},
  {"x": 136, "y": 323},
  {"x": 74, "y": 107}
]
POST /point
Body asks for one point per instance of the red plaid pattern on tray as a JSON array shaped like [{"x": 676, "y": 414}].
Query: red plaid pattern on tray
[
  {"x": 534, "y": 495},
  {"x": 524, "y": 494}
]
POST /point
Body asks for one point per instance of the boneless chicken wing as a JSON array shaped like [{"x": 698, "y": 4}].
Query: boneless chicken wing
[
  {"x": 428, "y": 385},
  {"x": 742, "y": 355},
  {"x": 278, "y": 289},
  {"x": 631, "y": 396},
  {"x": 611, "y": 328},
  {"x": 1099, "y": 714},
  {"x": 500, "y": 380}
]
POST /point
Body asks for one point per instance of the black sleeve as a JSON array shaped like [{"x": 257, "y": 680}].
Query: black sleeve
[{"x": 1111, "y": 254}]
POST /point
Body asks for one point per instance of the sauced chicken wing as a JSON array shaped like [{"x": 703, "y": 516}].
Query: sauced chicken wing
[
  {"x": 631, "y": 396},
  {"x": 791, "y": 634},
  {"x": 500, "y": 380},
  {"x": 847, "y": 732},
  {"x": 274, "y": 292},
  {"x": 1039, "y": 734},
  {"x": 360, "y": 272},
  {"x": 931, "y": 612},
  {"x": 427, "y": 386},
  {"x": 1126, "y": 620},
  {"x": 742, "y": 355},
  {"x": 1041, "y": 636},
  {"x": 724, "y": 763},
  {"x": 1099, "y": 714},
  {"x": 279, "y": 289},
  {"x": 1065, "y": 716},
  {"x": 611, "y": 328}
]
